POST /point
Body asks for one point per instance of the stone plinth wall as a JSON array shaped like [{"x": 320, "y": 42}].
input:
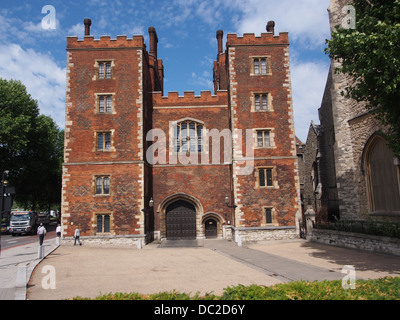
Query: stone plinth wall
[{"x": 358, "y": 241}]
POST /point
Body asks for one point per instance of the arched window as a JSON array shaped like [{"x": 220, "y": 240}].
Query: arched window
[
  {"x": 381, "y": 176},
  {"x": 188, "y": 136}
]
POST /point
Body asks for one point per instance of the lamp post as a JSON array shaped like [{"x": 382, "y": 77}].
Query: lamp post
[
  {"x": 227, "y": 202},
  {"x": 3, "y": 191},
  {"x": 146, "y": 218}
]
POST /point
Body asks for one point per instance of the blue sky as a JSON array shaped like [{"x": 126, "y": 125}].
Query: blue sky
[{"x": 186, "y": 32}]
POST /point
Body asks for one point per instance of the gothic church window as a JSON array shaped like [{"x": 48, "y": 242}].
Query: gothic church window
[{"x": 382, "y": 176}]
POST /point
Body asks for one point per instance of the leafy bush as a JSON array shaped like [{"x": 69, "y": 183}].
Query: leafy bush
[{"x": 378, "y": 289}]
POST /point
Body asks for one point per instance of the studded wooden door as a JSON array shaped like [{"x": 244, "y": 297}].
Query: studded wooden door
[
  {"x": 181, "y": 221},
  {"x": 211, "y": 228}
]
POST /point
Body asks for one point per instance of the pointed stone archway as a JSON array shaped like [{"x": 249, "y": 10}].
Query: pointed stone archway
[{"x": 180, "y": 217}]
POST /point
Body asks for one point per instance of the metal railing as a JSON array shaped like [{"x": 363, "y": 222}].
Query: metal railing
[{"x": 378, "y": 228}]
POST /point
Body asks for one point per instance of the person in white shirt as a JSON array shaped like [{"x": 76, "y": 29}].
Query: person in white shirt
[
  {"x": 76, "y": 236},
  {"x": 58, "y": 231},
  {"x": 41, "y": 231}
]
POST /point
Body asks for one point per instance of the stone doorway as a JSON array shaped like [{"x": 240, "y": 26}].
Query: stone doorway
[{"x": 181, "y": 221}]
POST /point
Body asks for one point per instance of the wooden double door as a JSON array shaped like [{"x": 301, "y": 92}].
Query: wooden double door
[{"x": 181, "y": 220}]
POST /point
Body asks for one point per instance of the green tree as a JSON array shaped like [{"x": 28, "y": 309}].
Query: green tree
[
  {"x": 31, "y": 147},
  {"x": 370, "y": 55}
]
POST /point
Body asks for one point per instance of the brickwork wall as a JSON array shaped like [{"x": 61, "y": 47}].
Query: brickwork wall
[
  {"x": 203, "y": 179},
  {"x": 283, "y": 197},
  {"x": 123, "y": 163},
  {"x": 141, "y": 125}
]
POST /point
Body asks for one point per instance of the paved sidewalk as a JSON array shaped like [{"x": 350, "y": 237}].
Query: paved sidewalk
[
  {"x": 17, "y": 265},
  {"x": 89, "y": 271}
]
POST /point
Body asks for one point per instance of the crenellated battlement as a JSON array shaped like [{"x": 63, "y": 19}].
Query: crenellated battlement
[
  {"x": 190, "y": 99},
  {"x": 251, "y": 39},
  {"x": 106, "y": 42}
]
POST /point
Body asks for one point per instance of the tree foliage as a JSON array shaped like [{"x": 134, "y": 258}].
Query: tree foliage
[
  {"x": 370, "y": 55},
  {"x": 31, "y": 148}
]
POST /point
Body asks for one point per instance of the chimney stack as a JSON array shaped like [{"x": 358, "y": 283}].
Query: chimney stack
[
  {"x": 153, "y": 42},
  {"x": 87, "y": 23},
  {"x": 271, "y": 27},
  {"x": 220, "y": 35}
]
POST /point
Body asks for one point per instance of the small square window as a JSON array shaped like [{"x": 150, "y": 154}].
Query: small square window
[
  {"x": 104, "y": 141},
  {"x": 104, "y": 103},
  {"x": 263, "y": 139},
  {"x": 104, "y": 70},
  {"x": 261, "y": 66},
  {"x": 265, "y": 177},
  {"x": 103, "y": 223},
  {"x": 261, "y": 102},
  {"x": 103, "y": 185}
]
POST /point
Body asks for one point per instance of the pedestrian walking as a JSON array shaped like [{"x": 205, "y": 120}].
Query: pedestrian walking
[
  {"x": 76, "y": 236},
  {"x": 41, "y": 231},
  {"x": 58, "y": 231}
]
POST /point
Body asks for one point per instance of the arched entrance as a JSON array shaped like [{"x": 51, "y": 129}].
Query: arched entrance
[
  {"x": 180, "y": 220},
  {"x": 211, "y": 228}
]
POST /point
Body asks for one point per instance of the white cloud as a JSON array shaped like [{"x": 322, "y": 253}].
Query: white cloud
[
  {"x": 204, "y": 80},
  {"x": 77, "y": 30},
  {"x": 44, "y": 79},
  {"x": 305, "y": 20},
  {"x": 308, "y": 84}
]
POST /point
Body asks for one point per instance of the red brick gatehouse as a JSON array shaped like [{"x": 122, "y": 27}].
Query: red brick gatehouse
[{"x": 141, "y": 165}]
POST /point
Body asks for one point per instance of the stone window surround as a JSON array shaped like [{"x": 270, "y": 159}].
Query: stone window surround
[
  {"x": 94, "y": 185},
  {"x": 95, "y": 137},
  {"x": 273, "y": 216},
  {"x": 271, "y": 138},
  {"x": 97, "y": 103},
  {"x": 94, "y": 224},
  {"x": 96, "y": 67},
  {"x": 274, "y": 178},
  {"x": 173, "y": 140},
  {"x": 268, "y": 61},
  {"x": 253, "y": 94}
]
